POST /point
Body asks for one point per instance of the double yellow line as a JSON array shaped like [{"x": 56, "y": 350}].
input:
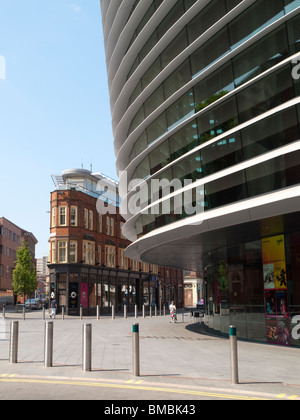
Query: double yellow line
[{"x": 129, "y": 386}]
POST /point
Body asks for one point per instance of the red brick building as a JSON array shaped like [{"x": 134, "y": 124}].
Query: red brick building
[
  {"x": 87, "y": 264},
  {"x": 11, "y": 238}
]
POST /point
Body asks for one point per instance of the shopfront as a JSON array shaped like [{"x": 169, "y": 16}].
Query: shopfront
[{"x": 76, "y": 286}]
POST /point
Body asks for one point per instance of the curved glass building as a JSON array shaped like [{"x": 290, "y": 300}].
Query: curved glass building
[{"x": 205, "y": 112}]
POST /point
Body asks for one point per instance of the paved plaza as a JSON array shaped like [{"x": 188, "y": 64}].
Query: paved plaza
[{"x": 176, "y": 360}]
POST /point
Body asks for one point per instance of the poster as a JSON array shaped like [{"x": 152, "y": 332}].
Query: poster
[
  {"x": 269, "y": 280},
  {"x": 275, "y": 287},
  {"x": 273, "y": 249},
  {"x": 281, "y": 304},
  {"x": 270, "y": 303},
  {"x": 280, "y": 275},
  {"x": 272, "y": 330},
  {"x": 284, "y": 331}
]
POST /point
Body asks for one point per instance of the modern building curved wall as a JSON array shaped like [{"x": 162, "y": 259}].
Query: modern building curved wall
[
  {"x": 204, "y": 90},
  {"x": 205, "y": 113}
]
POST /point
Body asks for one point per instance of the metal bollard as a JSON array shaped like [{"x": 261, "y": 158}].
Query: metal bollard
[
  {"x": 155, "y": 311},
  {"x": 87, "y": 347},
  {"x": 98, "y": 312},
  {"x": 136, "y": 349},
  {"x": 3, "y": 311},
  {"x": 14, "y": 340},
  {"x": 125, "y": 311},
  {"x": 135, "y": 311},
  {"x": 164, "y": 310},
  {"x": 143, "y": 311},
  {"x": 233, "y": 355},
  {"x": 63, "y": 312},
  {"x": 44, "y": 316},
  {"x": 80, "y": 312},
  {"x": 48, "y": 344},
  {"x": 112, "y": 311},
  {"x": 150, "y": 311},
  {"x": 24, "y": 312}
]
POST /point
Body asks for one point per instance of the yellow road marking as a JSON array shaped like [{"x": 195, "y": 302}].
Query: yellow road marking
[
  {"x": 132, "y": 387},
  {"x": 132, "y": 381},
  {"x": 293, "y": 397},
  {"x": 281, "y": 396}
]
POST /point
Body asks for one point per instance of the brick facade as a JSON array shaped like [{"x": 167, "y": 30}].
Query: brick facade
[
  {"x": 11, "y": 238},
  {"x": 80, "y": 239}
]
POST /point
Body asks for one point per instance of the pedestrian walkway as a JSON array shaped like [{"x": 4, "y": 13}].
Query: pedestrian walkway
[{"x": 170, "y": 354}]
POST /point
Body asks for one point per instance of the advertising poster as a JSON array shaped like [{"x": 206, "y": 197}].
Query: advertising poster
[
  {"x": 275, "y": 286},
  {"x": 284, "y": 331},
  {"x": 269, "y": 280},
  {"x": 273, "y": 249},
  {"x": 272, "y": 330},
  {"x": 281, "y": 304},
  {"x": 280, "y": 275},
  {"x": 270, "y": 303}
]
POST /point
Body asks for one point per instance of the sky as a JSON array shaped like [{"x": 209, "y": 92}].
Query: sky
[{"x": 54, "y": 104}]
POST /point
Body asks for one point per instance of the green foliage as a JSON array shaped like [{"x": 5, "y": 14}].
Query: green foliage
[{"x": 24, "y": 275}]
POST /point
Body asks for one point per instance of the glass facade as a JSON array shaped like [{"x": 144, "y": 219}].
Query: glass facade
[
  {"x": 244, "y": 286},
  {"x": 207, "y": 93}
]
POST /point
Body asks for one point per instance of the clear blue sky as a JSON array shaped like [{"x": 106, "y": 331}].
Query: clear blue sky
[{"x": 54, "y": 105}]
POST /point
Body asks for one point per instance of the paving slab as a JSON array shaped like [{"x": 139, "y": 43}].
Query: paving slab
[{"x": 177, "y": 355}]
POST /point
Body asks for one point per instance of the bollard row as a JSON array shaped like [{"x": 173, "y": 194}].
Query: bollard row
[
  {"x": 98, "y": 312},
  {"x": 86, "y": 346}
]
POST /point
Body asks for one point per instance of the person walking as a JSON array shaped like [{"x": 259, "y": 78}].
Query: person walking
[
  {"x": 53, "y": 308},
  {"x": 172, "y": 309}
]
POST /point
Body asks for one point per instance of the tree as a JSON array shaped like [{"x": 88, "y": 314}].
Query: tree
[{"x": 24, "y": 275}]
